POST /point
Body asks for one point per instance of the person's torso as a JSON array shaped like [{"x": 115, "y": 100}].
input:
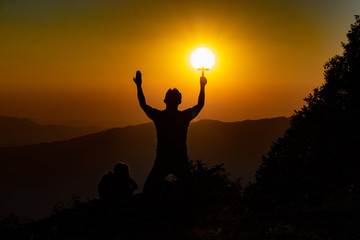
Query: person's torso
[{"x": 171, "y": 128}]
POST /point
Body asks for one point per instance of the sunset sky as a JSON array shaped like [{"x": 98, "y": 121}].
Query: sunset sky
[{"x": 72, "y": 61}]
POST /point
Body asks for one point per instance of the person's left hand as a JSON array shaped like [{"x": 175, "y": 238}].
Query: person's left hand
[{"x": 138, "y": 79}]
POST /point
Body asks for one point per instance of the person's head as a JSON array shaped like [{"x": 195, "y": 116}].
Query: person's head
[
  {"x": 121, "y": 169},
  {"x": 172, "y": 97}
]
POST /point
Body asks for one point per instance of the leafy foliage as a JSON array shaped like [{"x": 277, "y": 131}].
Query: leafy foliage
[
  {"x": 214, "y": 180},
  {"x": 224, "y": 211},
  {"x": 318, "y": 157}
]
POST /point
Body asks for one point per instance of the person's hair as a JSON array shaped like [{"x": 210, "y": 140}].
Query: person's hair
[
  {"x": 122, "y": 169},
  {"x": 173, "y": 97}
]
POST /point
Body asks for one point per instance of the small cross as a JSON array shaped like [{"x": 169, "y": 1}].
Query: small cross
[{"x": 203, "y": 69}]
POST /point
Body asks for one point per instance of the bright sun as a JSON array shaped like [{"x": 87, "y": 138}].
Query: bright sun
[{"x": 202, "y": 57}]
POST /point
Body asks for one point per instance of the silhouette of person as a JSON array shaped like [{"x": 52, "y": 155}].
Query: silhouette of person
[
  {"x": 117, "y": 186},
  {"x": 171, "y": 128}
]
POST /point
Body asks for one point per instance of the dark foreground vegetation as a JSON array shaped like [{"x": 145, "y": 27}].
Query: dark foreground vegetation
[
  {"x": 308, "y": 186},
  {"x": 223, "y": 210}
]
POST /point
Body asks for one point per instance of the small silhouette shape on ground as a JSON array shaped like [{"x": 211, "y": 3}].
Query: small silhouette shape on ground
[{"x": 117, "y": 186}]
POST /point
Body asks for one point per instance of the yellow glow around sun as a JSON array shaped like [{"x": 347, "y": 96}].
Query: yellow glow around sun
[{"x": 202, "y": 57}]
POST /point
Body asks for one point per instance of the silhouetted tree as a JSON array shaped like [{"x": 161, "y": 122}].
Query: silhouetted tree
[
  {"x": 318, "y": 157},
  {"x": 215, "y": 181}
]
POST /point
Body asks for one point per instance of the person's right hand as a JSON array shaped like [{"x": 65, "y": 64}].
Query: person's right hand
[
  {"x": 137, "y": 79},
  {"x": 203, "y": 81}
]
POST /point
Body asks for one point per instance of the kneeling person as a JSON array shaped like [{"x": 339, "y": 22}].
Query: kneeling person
[{"x": 117, "y": 186}]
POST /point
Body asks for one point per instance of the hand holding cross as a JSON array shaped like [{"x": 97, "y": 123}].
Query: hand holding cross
[{"x": 203, "y": 69}]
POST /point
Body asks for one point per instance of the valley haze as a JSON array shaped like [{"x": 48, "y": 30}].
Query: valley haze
[{"x": 35, "y": 177}]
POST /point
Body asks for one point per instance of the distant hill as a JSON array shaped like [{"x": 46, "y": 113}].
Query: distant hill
[
  {"x": 33, "y": 178},
  {"x": 20, "y": 131}
]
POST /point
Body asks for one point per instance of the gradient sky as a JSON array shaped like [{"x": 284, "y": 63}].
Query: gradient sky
[{"x": 72, "y": 61}]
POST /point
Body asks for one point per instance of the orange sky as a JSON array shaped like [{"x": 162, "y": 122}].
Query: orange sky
[{"x": 72, "y": 61}]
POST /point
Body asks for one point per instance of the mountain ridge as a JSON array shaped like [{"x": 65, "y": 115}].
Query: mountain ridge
[
  {"x": 16, "y": 131},
  {"x": 49, "y": 172}
]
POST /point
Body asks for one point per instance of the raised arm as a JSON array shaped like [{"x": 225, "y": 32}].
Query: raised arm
[
  {"x": 201, "y": 101},
  {"x": 150, "y": 112},
  {"x": 140, "y": 94}
]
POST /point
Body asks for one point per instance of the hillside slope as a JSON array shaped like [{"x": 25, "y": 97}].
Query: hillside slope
[
  {"x": 33, "y": 178},
  {"x": 20, "y": 131}
]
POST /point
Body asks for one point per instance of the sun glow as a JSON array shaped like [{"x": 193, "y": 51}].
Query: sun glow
[{"x": 202, "y": 57}]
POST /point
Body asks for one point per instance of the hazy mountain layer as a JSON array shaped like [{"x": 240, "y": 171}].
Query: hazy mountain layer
[
  {"x": 33, "y": 178},
  {"x": 21, "y": 131}
]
